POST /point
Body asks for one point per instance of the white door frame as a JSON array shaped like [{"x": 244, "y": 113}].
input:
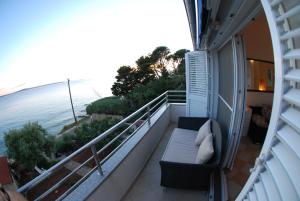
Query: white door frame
[
  {"x": 238, "y": 105},
  {"x": 239, "y": 96}
]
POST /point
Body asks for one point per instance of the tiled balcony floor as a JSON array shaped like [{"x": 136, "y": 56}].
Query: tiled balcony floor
[
  {"x": 245, "y": 159},
  {"x": 147, "y": 186}
]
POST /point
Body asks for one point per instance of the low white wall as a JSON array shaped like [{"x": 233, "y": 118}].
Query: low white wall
[
  {"x": 121, "y": 179},
  {"x": 259, "y": 98},
  {"x": 177, "y": 110}
]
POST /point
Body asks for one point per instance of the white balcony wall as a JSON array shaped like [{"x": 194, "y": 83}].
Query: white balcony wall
[{"x": 177, "y": 110}]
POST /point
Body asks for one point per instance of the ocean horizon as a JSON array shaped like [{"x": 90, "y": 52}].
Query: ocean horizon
[{"x": 49, "y": 105}]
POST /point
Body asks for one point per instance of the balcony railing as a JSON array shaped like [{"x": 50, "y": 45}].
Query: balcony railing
[{"x": 59, "y": 182}]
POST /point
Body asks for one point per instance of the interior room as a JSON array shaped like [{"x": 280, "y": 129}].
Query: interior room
[{"x": 259, "y": 97}]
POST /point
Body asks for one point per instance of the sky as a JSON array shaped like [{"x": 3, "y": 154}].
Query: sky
[{"x": 49, "y": 41}]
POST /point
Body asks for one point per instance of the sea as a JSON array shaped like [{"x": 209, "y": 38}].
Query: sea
[{"x": 49, "y": 105}]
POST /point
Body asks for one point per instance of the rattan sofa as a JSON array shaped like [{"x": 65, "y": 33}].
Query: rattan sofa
[{"x": 178, "y": 167}]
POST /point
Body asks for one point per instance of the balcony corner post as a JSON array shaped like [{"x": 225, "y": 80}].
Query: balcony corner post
[
  {"x": 167, "y": 97},
  {"x": 148, "y": 115}
]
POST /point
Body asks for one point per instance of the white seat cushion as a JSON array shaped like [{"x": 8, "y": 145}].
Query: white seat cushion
[
  {"x": 181, "y": 147},
  {"x": 203, "y": 132},
  {"x": 206, "y": 150}
]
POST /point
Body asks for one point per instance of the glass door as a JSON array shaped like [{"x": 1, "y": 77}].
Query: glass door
[{"x": 231, "y": 96}]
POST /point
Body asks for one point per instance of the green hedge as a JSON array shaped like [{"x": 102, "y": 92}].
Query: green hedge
[{"x": 110, "y": 105}]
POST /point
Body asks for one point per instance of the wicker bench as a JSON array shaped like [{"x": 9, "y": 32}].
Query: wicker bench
[{"x": 178, "y": 167}]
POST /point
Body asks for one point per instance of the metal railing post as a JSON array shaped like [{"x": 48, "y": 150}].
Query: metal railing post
[
  {"x": 148, "y": 115},
  {"x": 167, "y": 97},
  {"x": 93, "y": 148}
]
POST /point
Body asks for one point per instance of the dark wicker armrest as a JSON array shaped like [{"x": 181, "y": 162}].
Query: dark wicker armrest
[
  {"x": 191, "y": 123},
  {"x": 186, "y": 176}
]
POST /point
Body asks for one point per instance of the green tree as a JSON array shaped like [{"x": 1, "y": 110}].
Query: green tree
[
  {"x": 164, "y": 73},
  {"x": 178, "y": 61},
  {"x": 159, "y": 59},
  {"x": 144, "y": 71},
  {"x": 151, "y": 76},
  {"x": 148, "y": 68},
  {"x": 29, "y": 145},
  {"x": 126, "y": 80}
]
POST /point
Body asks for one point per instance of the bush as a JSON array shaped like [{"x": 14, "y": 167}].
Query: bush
[
  {"x": 87, "y": 132},
  {"x": 65, "y": 144},
  {"x": 71, "y": 125},
  {"x": 84, "y": 134},
  {"x": 29, "y": 145},
  {"x": 110, "y": 105}
]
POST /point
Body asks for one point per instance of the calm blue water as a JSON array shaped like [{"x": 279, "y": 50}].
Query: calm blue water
[{"x": 49, "y": 105}]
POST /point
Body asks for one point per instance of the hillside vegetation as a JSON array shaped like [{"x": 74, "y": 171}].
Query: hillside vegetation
[
  {"x": 153, "y": 74},
  {"x": 113, "y": 105}
]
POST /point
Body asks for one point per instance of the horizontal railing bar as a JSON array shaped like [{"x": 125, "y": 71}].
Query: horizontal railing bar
[
  {"x": 113, "y": 140},
  {"x": 128, "y": 137},
  {"x": 97, "y": 139},
  {"x": 176, "y": 91},
  {"x": 119, "y": 135},
  {"x": 120, "y": 145},
  {"x": 77, "y": 184},
  {"x": 158, "y": 103},
  {"x": 177, "y": 100},
  {"x": 166, "y": 104},
  {"x": 63, "y": 180},
  {"x": 174, "y": 95}
]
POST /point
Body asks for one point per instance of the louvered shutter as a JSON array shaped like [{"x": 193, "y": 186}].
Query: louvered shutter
[
  {"x": 196, "y": 84},
  {"x": 276, "y": 174}
]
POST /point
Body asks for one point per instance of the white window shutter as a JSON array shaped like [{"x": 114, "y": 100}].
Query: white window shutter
[
  {"x": 196, "y": 84},
  {"x": 276, "y": 174}
]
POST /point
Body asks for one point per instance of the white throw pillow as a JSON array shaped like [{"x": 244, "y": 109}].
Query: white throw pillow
[
  {"x": 203, "y": 132},
  {"x": 206, "y": 150}
]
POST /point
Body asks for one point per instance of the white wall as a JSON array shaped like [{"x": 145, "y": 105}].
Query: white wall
[
  {"x": 259, "y": 98},
  {"x": 258, "y": 45},
  {"x": 257, "y": 39},
  {"x": 177, "y": 110}
]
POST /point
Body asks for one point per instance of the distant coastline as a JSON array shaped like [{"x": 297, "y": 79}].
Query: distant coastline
[{"x": 28, "y": 88}]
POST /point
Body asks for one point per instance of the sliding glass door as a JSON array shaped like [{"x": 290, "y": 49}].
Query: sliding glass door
[
  {"x": 226, "y": 88},
  {"x": 231, "y": 96}
]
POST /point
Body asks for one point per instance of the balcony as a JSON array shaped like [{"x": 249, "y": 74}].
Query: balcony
[{"x": 126, "y": 167}]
